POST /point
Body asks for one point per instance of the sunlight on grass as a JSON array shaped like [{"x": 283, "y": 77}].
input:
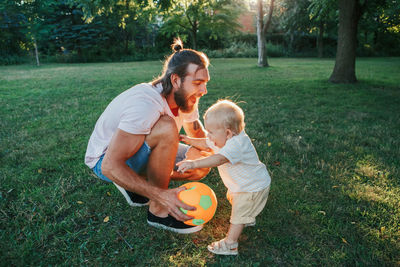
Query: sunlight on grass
[{"x": 333, "y": 152}]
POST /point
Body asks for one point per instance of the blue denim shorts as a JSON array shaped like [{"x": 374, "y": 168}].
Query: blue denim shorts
[{"x": 138, "y": 162}]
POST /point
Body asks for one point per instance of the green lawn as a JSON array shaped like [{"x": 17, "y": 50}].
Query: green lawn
[{"x": 334, "y": 162}]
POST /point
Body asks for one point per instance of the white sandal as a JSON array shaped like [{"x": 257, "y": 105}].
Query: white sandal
[{"x": 222, "y": 248}]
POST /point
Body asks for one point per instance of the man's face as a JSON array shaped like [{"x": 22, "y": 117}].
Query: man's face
[{"x": 193, "y": 87}]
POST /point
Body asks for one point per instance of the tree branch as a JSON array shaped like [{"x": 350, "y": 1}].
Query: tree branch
[{"x": 269, "y": 18}]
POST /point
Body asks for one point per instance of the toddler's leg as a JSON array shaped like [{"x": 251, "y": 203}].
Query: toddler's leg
[
  {"x": 234, "y": 232},
  {"x": 228, "y": 245}
]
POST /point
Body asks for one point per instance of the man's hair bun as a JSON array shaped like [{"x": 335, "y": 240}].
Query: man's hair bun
[{"x": 177, "y": 45}]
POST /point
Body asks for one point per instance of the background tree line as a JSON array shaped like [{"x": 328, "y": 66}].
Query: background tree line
[{"x": 125, "y": 30}]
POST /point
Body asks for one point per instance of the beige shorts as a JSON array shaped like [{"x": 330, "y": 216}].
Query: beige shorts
[{"x": 247, "y": 205}]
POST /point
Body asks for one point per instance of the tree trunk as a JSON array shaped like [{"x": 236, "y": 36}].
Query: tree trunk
[
  {"x": 36, "y": 52},
  {"x": 261, "y": 32},
  {"x": 194, "y": 39},
  {"x": 320, "y": 40},
  {"x": 194, "y": 35},
  {"x": 344, "y": 70},
  {"x": 262, "y": 53}
]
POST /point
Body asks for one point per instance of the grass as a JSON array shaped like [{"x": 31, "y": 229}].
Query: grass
[{"x": 334, "y": 162}]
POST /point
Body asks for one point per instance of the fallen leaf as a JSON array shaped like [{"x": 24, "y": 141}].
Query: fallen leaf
[
  {"x": 277, "y": 163},
  {"x": 344, "y": 241},
  {"x": 383, "y": 229},
  {"x": 79, "y": 202},
  {"x": 106, "y": 219},
  {"x": 40, "y": 171},
  {"x": 322, "y": 212},
  {"x": 335, "y": 186},
  {"x": 269, "y": 144},
  {"x": 108, "y": 193}
]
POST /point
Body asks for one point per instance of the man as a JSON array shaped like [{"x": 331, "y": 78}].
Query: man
[{"x": 135, "y": 142}]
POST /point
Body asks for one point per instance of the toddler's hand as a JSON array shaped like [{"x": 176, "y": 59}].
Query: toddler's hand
[
  {"x": 185, "y": 165},
  {"x": 184, "y": 139}
]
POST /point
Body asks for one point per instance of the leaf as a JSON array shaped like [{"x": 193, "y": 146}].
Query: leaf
[
  {"x": 322, "y": 212},
  {"x": 277, "y": 163},
  {"x": 79, "y": 202},
  {"x": 108, "y": 194},
  {"x": 344, "y": 241},
  {"x": 40, "y": 170},
  {"x": 106, "y": 219},
  {"x": 269, "y": 144}
]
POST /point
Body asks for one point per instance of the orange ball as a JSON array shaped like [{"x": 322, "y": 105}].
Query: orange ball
[{"x": 203, "y": 198}]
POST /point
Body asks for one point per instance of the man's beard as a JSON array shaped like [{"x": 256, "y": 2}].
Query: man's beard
[{"x": 182, "y": 100}]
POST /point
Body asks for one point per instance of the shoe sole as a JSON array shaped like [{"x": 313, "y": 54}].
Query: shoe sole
[
  {"x": 230, "y": 253},
  {"x": 250, "y": 224},
  {"x": 128, "y": 199},
  {"x": 179, "y": 231}
]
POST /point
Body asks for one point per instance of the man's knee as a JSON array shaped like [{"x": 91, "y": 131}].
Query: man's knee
[
  {"x": 200, "y": 173},
  {"x": 164, "y": 130}
]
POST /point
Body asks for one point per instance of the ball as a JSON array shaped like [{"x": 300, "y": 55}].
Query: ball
[{"x": 203, "y": 198}]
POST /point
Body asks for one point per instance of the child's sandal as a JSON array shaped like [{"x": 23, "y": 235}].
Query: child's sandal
[{"x": 222, "y": 248}]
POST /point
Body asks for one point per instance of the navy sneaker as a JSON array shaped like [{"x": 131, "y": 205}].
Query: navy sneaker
[
  {"x": 133, "y": 199},
  {"x": 171, "y": 224}
]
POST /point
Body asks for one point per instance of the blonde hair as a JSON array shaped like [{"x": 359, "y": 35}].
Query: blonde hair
[{"x": 227, "y": 114}]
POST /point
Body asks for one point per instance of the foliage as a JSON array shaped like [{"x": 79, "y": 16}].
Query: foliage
[
  {"x": 121, "y": 30},
  {"x": 209, "y": 19},
  {"x": 334, "y": 163},
  {"x": 241, "y": 49}
]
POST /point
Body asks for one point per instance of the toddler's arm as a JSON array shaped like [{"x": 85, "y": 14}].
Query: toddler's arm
[
  {"x": 199, "y": 143},
  {"x": 208, "y": 162}
]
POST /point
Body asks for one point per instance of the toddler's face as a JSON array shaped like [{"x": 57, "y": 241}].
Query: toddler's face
[{"x": 216, "y": 133}]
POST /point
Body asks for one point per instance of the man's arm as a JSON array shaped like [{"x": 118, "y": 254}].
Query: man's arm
[
  {"x": 199, "y": 143},
  {"x": 194, "y": 129},
  {"x": 124, "y": 145}
]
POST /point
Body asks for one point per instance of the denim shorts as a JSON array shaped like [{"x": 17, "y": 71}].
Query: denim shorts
[{"x": 138, "y": 162}]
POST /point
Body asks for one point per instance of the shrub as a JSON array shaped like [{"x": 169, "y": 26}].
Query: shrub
[
  {"x": 241, "y": 49},
  {"x": 13, "y": 59}
]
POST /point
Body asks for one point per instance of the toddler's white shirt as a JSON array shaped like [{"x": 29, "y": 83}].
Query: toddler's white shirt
[
  {"x": 244, "y": 172},
  {"x": 135, "y": 111}
]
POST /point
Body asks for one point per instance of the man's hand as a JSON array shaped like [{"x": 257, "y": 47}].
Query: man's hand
[
  {"x": 169, "y": 199},
  {"x": 185, "y": 165}
]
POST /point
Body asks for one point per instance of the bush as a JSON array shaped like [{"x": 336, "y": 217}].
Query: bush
[
  {"x": 241, "y": 49},
  {"x": 13, "y": 59}
]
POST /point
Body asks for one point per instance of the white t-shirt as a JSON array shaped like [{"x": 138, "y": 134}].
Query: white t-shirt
[
  {"x": 135, "y": 111},
  {"x": 244, "y": 172}
]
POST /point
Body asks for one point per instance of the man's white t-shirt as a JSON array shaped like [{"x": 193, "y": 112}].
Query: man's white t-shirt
[
  {"x": 135, "y": 111},
  {"x": 244, "y": 172}
]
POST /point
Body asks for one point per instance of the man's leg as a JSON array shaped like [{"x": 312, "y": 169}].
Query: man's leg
[
  {"x": 192, "y": 175},
  {"x": 163, "y": 141}
]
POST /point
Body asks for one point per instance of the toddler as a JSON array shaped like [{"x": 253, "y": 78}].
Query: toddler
[{"x": 246, "y": 178}]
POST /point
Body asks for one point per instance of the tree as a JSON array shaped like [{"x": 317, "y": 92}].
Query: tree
[
  {"x": 216, "y": 16},
  {"x": 12, "y": 31},
  {"x": 262, "y": 30},
  {"x": 349, "y": 15},
  {"x": 321, "y": 12}
]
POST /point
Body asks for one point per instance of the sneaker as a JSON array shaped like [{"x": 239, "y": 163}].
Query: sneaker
[
  {"x": 171, "y": 224},
  {"x": 133, "y": 199}
]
